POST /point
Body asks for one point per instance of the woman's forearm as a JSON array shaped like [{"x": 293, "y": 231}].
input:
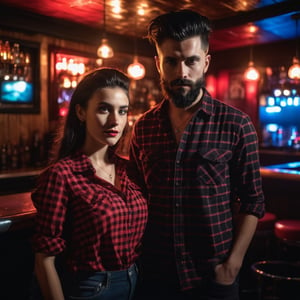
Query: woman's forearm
[{"x": 47, "y": 277}]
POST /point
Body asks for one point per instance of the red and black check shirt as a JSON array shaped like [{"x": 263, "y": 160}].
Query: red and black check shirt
[
  {"x": 192, "y": 187},
  {"x": 98, "y": 226}
]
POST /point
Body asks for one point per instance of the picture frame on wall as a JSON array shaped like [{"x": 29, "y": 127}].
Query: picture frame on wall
[{"x": 19, "y": 76}]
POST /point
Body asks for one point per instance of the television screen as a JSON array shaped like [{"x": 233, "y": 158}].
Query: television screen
[{"x": 16, "y": 92}]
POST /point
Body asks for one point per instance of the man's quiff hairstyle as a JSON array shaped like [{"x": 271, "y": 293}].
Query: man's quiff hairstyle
[{"x": 179, "y": 25}]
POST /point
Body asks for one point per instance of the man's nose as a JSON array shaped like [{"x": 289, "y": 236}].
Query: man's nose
[{"x": 182, "y": 70}]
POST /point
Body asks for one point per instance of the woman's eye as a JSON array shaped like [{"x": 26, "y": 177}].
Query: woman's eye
[
  {"x": 123, "y": 111},
  {"x": 103, "y": 109}
]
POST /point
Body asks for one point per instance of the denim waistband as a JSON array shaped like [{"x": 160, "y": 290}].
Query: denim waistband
[{"x": 113, "y": 275}]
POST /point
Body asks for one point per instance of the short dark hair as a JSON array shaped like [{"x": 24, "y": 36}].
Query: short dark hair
[{"x": 179, "y": 25}]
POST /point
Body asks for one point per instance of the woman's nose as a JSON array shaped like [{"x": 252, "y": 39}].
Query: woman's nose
[{"x": 114, "y": 118}]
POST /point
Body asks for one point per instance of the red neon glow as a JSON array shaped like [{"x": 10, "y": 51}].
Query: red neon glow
[{"x": 63, "y": 111}]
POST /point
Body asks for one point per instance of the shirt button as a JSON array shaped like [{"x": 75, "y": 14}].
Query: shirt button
[
  {"x": 177, "y": 204},
  {"x": 177, "y": 183}
]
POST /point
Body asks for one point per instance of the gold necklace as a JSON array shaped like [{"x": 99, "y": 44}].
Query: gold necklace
[{"x": 109, "y": 174}]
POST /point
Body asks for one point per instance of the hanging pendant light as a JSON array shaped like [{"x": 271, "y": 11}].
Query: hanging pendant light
[
  {"x": 294, "y": 69},
  {"x": 136, "y": 70},
  {"x": 251, "y": 73},
  {"x": 104, "y": 50}
]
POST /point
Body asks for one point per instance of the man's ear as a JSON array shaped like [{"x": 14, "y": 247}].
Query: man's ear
[
  {"x": 157, "y": 63},
  {"x": 207, "y": 62},
  {"x": 80, "y": 112}
]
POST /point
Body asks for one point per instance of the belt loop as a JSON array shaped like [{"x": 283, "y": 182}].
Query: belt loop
[{"x": 108, "y": 279}]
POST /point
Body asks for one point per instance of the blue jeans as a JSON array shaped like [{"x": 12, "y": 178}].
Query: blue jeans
[{"x": 108, "y": 285}]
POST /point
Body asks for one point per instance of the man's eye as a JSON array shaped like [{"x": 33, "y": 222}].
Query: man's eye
[
  {"x": 171, "y": 61},
  {"x": 190, "y": 62}
]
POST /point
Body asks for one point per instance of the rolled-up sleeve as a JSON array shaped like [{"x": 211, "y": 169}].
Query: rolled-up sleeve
[{"x": 50, "y": 199}]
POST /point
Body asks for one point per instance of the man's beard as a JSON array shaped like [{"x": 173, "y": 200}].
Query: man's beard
[{"x": 177, "y": 96}]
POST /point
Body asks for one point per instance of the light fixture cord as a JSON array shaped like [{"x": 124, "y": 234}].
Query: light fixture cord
[
  {"x": 104, "y": 18},
  {"x": 297, "y": 39},
  {"x": 251, "y": 49}
]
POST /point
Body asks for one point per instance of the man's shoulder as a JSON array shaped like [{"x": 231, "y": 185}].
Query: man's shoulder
[
  {"x": 225, "y": 108},
  {"x": 149, "y": 115}
]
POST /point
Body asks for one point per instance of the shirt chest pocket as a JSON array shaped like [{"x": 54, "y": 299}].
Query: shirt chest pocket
[{"x": 212, "y": 165}]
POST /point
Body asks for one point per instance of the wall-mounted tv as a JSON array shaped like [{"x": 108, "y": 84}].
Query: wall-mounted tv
[
  {"x": 18, "y": 91},
  {"x": 20, "y": 77}
]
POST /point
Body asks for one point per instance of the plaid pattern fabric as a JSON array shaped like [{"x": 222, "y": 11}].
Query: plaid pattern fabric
[
  {"x": 192, "y": 187},
  {"x": 98, "y": 226}
]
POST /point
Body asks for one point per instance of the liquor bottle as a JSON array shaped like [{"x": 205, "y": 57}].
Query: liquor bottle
[
  {"x": 4, "y": 157},
  {"x": 15, "y": 157},
  {"x": 36, "y": 149}
]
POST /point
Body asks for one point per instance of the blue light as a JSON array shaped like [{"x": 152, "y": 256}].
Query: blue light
[
  {"x": 289, "y": 101},
  {"x": 283, "y": 102},
  {"x": 272, "y": 127},
  {"x": 271, "y": 101},
  {"x": 273, "y": 109},
  {"x": 277, "y": 92}
]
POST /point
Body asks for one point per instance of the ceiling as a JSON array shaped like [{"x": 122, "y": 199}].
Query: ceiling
[{"x": 273, "y": 19}]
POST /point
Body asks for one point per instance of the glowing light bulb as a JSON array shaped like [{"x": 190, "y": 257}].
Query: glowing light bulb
[
  {"x": 294, "y": 70},
  {"x": 136, "y": 70},
  {"x": 251, "y": 72},
  {"x": 104, "y": 50}
]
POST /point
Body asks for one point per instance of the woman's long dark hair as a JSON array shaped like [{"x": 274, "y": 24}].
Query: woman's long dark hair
[{"x": 71, "y": 135}]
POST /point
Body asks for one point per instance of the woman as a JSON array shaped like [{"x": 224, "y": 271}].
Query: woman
[{"x": 89, "y": 214}]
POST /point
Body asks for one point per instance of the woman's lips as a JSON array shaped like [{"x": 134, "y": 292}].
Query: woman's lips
[{"x": 112, "y": 133}]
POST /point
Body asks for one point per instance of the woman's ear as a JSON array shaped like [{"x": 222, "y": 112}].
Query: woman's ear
[{"x": 80, "y": 112}]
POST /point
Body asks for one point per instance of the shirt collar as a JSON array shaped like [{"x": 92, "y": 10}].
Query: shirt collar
[
  {"x": 81, "y": 163},
  {"x": 207, "y": 105}
]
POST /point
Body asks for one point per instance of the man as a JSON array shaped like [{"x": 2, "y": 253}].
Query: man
[{"x": 198, "y": 161}]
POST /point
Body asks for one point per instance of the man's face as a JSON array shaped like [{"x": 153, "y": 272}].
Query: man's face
[{"x": 182, "y": 66}]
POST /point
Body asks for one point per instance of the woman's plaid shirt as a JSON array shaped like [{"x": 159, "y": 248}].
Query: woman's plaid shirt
[{"x": 97, "y": 226}]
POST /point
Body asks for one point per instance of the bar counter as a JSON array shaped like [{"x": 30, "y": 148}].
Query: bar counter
[
  {"x": 281, "y": 184},
  {"x": 16, "y": 211},
  {"x": 16, "y": 208}
]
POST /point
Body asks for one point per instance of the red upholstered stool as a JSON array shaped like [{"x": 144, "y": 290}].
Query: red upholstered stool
[
  {"x": 288, "y": 231},
  {"x": 266, "y": 222}
]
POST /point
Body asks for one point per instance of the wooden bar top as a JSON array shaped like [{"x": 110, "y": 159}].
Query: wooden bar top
[{"x": 16, "y": 211}]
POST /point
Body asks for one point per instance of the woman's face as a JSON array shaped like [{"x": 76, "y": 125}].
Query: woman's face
[{"x": 105, "y": 116}]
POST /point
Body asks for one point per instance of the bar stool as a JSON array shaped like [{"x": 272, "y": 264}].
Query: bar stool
[
  {"x": 280, "y": 279},
  {"x": 261, "y": 248},
  {"x": 265, "y": 231},
  {"x": 288, "y": 232}
]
